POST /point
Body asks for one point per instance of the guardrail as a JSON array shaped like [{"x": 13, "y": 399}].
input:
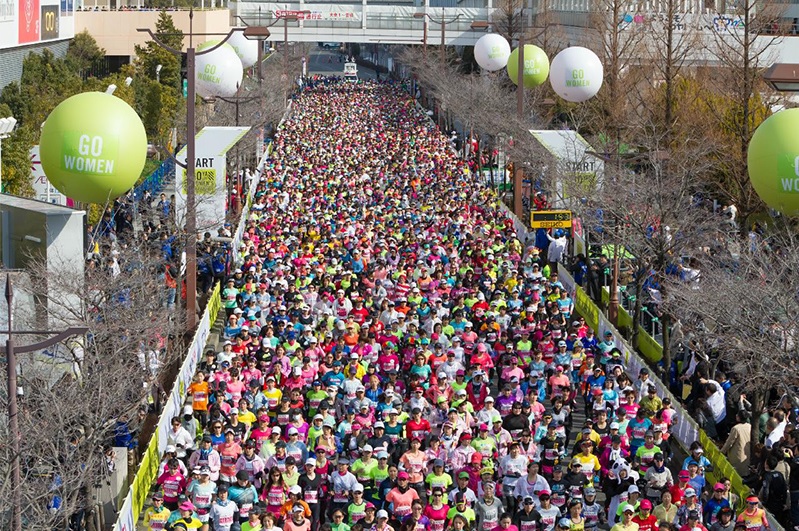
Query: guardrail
[{"x": 685, "y": 430}]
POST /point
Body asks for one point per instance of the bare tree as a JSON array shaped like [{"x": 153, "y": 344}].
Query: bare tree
[
  {"x": 741, "y": 48},
  {"x": 97, "y": 387},
  {"x": 743, "y": 308}
]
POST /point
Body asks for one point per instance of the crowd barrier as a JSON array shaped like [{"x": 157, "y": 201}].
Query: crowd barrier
[
  {"x": 647, "y": 346},
  {"x": 133, "y": 504},
  {"x": 154, "y": 183},
  {"x": 684, "y": 430}
]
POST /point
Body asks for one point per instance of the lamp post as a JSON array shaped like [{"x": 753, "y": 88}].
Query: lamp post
[
  {"x": 518, "y": 172},
  {"x": 7, "y": 126},
  {"x": 443, "y": 22},
  {"x": 250, "y": 32},
  {"x": 11, "y": 350},
  {"x": 294, "y": 16}
]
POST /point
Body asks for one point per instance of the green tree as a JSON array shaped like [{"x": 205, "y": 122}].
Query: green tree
[
  {"x": 84, "y": 55},
  {"x": 16, "y": 163},
  {"x": 46, "y": 81},
  {"x": 157, "y": 97},
  {"x": 149, "y": 56}
]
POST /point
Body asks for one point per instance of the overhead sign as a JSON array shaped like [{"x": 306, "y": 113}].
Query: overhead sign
[{"x": 551, "y": 219}]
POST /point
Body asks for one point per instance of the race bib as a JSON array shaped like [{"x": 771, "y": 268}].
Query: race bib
[{"x": 244, "y": 510}]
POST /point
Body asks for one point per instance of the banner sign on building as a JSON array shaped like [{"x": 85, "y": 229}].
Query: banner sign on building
[
  {"x": 49, "y": 21},
  {"x": 332, "y": 12},
  {"x": 28, "y": 21}
]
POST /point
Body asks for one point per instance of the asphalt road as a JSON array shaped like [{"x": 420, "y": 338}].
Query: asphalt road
[{"x": 326, "y": 62}]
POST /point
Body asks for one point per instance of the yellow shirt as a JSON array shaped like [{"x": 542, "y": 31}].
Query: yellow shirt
[
  {"x": 156, "y": 520},
  {"x": 589, "y": 462},
  {"x": 621, "y": 527},
  {"x": 247, "y": 417}
]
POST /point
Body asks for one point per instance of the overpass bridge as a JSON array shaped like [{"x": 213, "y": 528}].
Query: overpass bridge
[
  {"x": 419, "y": 21},
  {"x": 369, "y": 21}
]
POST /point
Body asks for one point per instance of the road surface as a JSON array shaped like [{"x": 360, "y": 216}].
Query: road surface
[{"x": 326, "y": 62}]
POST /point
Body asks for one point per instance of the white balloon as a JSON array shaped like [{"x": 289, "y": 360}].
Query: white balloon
[
  {"x": 219, "y": 72},
  {"x": 246, "y": 49},
  {"x": 576, "y": 74},
  {"x": 491, "y": 52}
]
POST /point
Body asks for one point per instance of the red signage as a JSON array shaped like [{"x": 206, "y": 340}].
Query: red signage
[
  {"x": 28, "y": 21},
  {"x": 299, "y": 15}
]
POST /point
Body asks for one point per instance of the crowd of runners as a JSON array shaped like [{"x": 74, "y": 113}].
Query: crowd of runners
[{"x": 396, "y": 358}]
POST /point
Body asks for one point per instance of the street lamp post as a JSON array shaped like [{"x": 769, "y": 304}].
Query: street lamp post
[
  {"x": 443, "y": 22},
  {"x": 11, "y": 350},
  {"x": 294, "y": 16},
  {"x": 7, "y": 126},
  {"x": 250, "y": 32}
]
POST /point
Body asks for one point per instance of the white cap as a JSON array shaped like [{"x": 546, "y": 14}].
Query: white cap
[
  {"x": 296, "y": 489},
  {"x": 276, "y": 430},
  {"x": 368, "y": 448},
  {"x": 382, "y": 513},
  {"x": 311, "y": 461},
  {"x": 293, "y": 431}
]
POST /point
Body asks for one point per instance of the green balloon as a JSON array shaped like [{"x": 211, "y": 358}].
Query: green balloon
[
  {"x": 93, "y": 147},
  {"x": 536, "y": 66},
  {"x": 773, "y": 161}
]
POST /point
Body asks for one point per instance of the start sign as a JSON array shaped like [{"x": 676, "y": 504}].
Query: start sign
[{"x": 551, "y": 219}]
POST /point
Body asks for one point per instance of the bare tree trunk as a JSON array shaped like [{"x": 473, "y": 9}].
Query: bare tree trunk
[{"x": 757, "y": 400}]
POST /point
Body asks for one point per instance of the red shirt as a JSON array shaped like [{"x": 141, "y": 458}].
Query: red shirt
[
  {"x": 417, "y": 429},
  {"x": 650, "y": 523}
]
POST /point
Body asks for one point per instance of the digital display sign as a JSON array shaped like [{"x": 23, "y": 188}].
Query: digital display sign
[{"x": 551, "y": 219}]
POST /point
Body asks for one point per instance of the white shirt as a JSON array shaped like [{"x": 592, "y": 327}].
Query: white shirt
[
  {"x": 776, "y": 434},
  {"x": 716, "y": 402}
]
